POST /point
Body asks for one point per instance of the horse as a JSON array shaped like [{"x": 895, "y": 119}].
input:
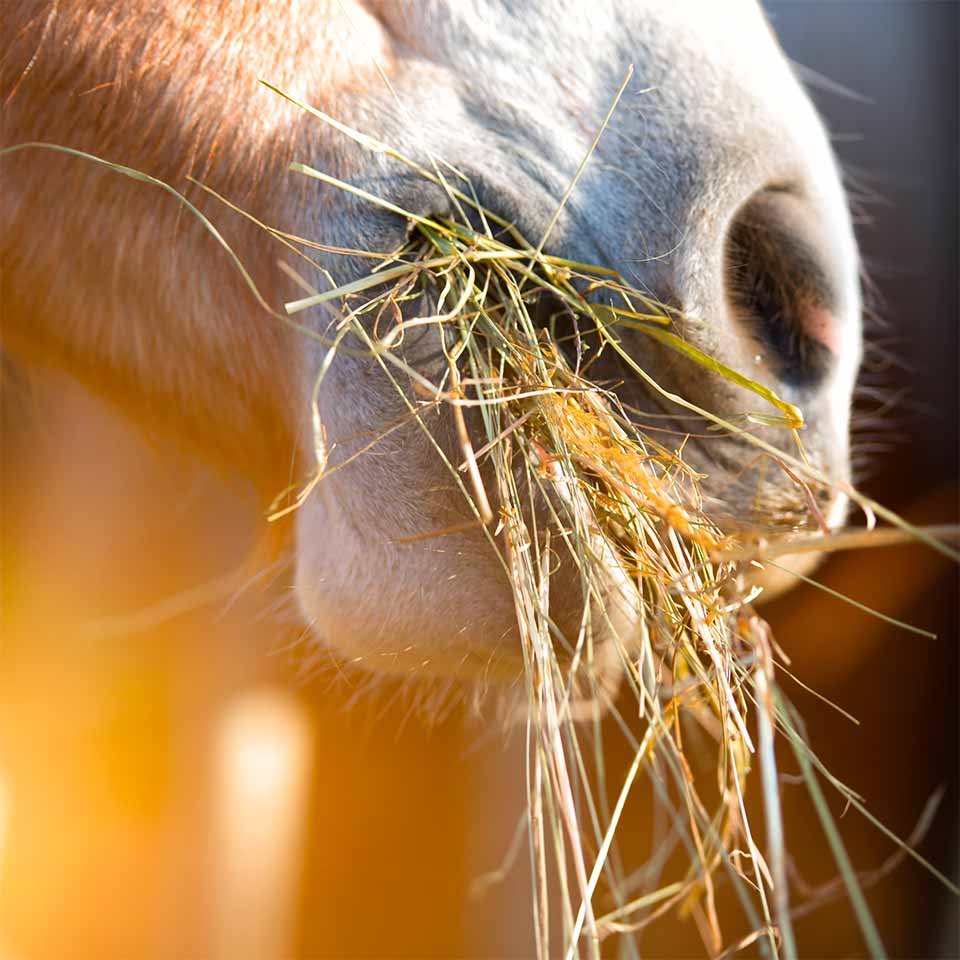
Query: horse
[{"x": 714, "y": 189}]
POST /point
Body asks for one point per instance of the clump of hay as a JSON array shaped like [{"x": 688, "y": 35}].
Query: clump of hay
[{"x": 666, "y": 613}]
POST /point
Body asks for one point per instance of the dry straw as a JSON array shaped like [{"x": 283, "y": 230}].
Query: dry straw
[{"x": 553, "y": 467}]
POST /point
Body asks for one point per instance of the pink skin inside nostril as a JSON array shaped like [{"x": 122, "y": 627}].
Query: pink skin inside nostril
[{"x": 821, "y": 325}]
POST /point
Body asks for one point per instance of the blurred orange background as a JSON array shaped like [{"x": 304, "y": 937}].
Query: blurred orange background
[{"x": 171, "y": 787}]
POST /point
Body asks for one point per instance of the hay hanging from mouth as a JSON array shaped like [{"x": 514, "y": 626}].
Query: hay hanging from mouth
[{"x": 626, "y": 510}]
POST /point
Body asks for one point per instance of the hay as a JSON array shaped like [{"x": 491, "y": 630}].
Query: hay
[{"x": 616, "y": 499}]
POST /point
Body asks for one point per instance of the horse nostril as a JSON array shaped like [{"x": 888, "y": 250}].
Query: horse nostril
[{"x": 779, "y": 288}]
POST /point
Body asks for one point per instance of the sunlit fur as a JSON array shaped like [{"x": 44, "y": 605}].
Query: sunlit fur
[{"x": 111, "y": 279}]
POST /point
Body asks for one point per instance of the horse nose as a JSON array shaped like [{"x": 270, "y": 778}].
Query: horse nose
[{"x": 749, "y": 242}]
